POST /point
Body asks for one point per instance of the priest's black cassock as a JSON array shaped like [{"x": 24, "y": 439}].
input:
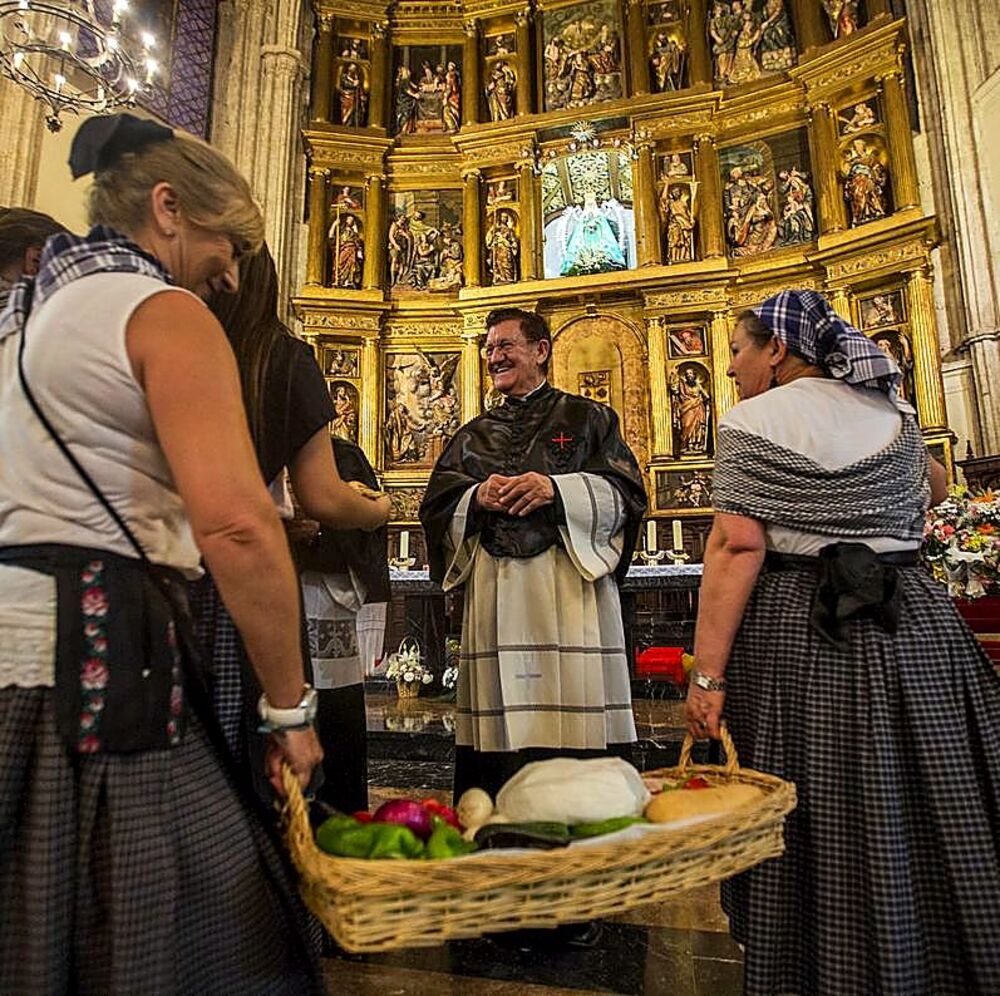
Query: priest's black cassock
[{"x": 544, "y": 670}]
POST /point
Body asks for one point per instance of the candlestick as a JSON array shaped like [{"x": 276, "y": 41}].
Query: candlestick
[
  {"x": 678, "y": 535},
  {"x": 651, "y": 535},
  {"x": 404, "y": 544}
]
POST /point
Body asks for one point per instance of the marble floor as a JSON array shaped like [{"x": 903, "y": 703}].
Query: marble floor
[{"x": 679, "y": 947}]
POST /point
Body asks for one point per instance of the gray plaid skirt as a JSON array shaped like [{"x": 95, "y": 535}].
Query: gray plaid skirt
[
  {"x": 135, "y": 873},
  {"x": 890, "y": 883}
]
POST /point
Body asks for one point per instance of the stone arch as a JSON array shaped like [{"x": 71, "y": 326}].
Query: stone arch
[{"x": 607, "y": 342}]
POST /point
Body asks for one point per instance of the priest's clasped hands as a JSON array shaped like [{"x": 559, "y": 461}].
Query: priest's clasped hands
[{"x": 520, "y": 495}]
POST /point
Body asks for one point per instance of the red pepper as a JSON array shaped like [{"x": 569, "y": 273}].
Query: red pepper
[
  {"x": 697, "y": 782},
  {"x": 362, "y": 816},
  {"x": 446, "y": 813}
]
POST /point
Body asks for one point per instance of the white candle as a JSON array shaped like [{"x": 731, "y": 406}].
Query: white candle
[
  {"x": 650, "y": 536},
  {"x": 678, "y": 535},
  {"x": 404, "y": 544}
]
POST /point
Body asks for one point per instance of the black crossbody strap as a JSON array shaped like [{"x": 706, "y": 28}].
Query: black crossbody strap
[{"x": 63, "y": 448}]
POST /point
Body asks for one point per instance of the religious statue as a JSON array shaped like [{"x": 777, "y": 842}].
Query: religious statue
[
  {"x": 423, "y": 256},
  {"x": 345, "y": 408},
  {"x": 500, "y": 46},
  {"x": 497, "y": 193},
  {"x": 692, "y": 406},
  {"x": 451, "y": 106},
  {"x": 897, "y": 347},
  {"x": 865, "y": 181},
  {"x": 777, "y": 43},
  {"x": 666, "y": 63},
  {"x": 401, "y": 250},
  {"x": 503, "y": 249},
  {"x": 862, "y": 118},
  {"x": 745, "y": 67},
  {"x": 346, "y": 200},
  {"x": 348, "y": 252},
  {"x": 678, "y": 212},
  {"x": 750, "y": 223},
  {"x": 879, "y": 310},
  {"x": 694, "y": 491},
  {"x": 582, "y": 85},
  {"x": 722, "y": 30},
  {"x": 686, "y": 342},
  {"x": 844, "y": 16},
  {"x": 351, "y": 96},
  {"x": 407, "y": 94},
  {"x": 798, "y": 219},
  {"x": 582, "y": 56},
  {"x": 423, "y": 409},
  {"x": 342, "y": 363},
  {"x": 675, "y": 166},
  {"x": 356, "y": 50},
  {"x": 500, "y": 91},
  {"x": 400, "y": 425},
  {"x": 449, "y": 274},
  {"x": 593, "y": 239}
]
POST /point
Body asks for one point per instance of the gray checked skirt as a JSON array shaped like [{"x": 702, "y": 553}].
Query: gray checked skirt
[
  {"x": 128, "y": 874},
  {"x": 890, "y": 883}
]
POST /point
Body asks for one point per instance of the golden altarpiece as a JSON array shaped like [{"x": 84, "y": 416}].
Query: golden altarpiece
[{"x": 639, "y": 171}]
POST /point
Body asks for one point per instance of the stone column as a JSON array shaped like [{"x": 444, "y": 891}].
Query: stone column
[
  {"x": 470, "y": 74},
  {"x": 531, "y": 227},
  {"x": 375, "y": 233},
  {"x": 659, "y": 395},
  {"x": 371, "y": 401},
  {"x": 810, "y": 28},
  {"x": 984, "y": 352},
  {"x": 826, "y": 166},
  {"x": 650, "y": 247},
  {"x": 725, "y": 389},
  {"x": 525, "y": 63},
  {"x": 699, "y": 54},
  {"x": 840, "y": 302},
  {"x": 21, "y": 130},
  {"x": 706, "y": 169},
  {"x": 638, "y": 61},
  {"x": 322, "y": 76},
  {"x": 380, "y": 81},
  {"x": 926, "y": 351},
  {"x": 471, "y": 372},
  {"x": 897, "y": 121},
  {"x": 316, "y": 260},
  {"x": 472, "y": 228}
]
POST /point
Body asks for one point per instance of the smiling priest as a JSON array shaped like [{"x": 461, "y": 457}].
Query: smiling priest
[{"x": 535, "y": 507}]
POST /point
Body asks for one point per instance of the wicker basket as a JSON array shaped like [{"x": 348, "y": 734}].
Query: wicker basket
[
  {"x": 381, "y": 905},
  {"x": 407, "y": 689}
]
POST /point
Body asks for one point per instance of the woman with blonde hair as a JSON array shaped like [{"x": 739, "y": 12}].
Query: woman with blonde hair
[{"x": 132, "y": 859}]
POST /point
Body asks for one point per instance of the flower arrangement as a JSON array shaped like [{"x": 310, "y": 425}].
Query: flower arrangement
[
  {"x": 962, "y": 543},
  {"x": 406, "y": 668}
]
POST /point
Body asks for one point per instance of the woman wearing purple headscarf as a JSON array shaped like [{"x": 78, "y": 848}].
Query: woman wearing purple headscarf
[{"x": 844, "y": 668}]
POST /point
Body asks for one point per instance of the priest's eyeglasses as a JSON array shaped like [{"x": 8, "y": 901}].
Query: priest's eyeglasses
[{"x": 504, "y": 346}]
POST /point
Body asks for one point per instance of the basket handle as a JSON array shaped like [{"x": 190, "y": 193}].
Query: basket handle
[
  {"x": 293, "y": 809},
  {"x": 732, "y": 764}
]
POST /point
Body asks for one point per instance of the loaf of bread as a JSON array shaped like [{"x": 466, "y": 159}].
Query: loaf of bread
[{"x": 694, "y": 805}]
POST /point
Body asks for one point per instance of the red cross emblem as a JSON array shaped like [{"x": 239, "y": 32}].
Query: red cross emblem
[{"x": 561, "y": 440}]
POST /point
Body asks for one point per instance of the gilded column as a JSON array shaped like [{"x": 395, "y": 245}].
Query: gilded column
[
  {"x": 525, "y": 63},
  {"x": 840, "y": 302},
  {"x": 725, "y": 389},
  {"x": 926, "y": 351},
  {"x": 706, "y": 168},
  {"x": 659, "y": 396},
  {"x": 650, "y": 248},
  {"x": 471, "y": 228},
  {"x": 374, "y": 269},
  {"x": 322, "y": 78},
  {"x": 371, "y": 400},
  {"x": 639, "y": 64},
  {"x": 471, "y": 367},
  {"x": 826, "y": 164},
  {"x": 530, "y": 220},
  {"x": 380, "y": 76},
  {"x": 699, "y": 55},
  {"x": 316, "y": 261},
  {"x": 809, "y": 23},
  {"x": 470, "y": 74},
  {"x": 905, "y": 192}
]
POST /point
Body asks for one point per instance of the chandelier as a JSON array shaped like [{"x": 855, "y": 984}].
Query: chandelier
[{"x": 71, "y": 59}]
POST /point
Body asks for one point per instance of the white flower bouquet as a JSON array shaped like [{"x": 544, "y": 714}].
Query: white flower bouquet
[
  {"x": 962, "y": 543},
  {"x": 407, "y": 669}
]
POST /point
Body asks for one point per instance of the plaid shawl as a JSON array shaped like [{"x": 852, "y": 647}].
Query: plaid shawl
[
  {"x": 66, "y": 258},
  {"x": 804, "y": 321}
]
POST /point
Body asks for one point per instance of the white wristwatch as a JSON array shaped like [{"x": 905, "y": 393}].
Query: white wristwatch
[{"x": 297, "y": 717}]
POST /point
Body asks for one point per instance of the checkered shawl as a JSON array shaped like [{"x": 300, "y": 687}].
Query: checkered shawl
[
  {"x": 804, "y": 321},
  {"x": 885, "y": 494},
  {"x": 69, "y": 257}
]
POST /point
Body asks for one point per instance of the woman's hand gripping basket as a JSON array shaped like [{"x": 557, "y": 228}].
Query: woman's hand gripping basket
[{"x": 378, "y": 905}]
